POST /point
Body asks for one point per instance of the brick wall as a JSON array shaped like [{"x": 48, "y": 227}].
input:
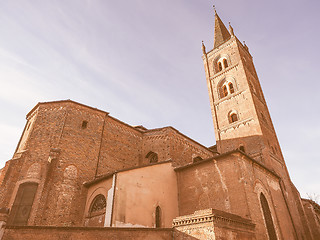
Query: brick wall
[
  {"x": 78, "y": 233},
  {"x": 121, "y": 147},
  {"x": 233, "y": 183},
  {"x": 60, "y": 153},
  {"x": 168, "y": 143}
]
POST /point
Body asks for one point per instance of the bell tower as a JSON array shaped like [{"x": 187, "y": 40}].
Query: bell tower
[{"x": 240, "y": 113}]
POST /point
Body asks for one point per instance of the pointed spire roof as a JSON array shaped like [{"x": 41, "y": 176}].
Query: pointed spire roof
[{"x": 221, "y": 33}]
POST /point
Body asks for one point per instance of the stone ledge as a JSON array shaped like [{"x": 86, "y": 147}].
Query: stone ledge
[
  {"x": 212, "y": 216},
  {"x": 88, "y": 228},
  {"x": 235, "y": 124}
]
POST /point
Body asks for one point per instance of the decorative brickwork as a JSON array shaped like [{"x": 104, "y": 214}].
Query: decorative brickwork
[{"x": 209, "y": 223}]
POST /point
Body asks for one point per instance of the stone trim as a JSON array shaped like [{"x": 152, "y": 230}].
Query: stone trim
[
  {"x": 235, "y": 125},
  {"x": 223, "y": 71},
  {"x": 213, "y": 216},
  {"x": 217, "y": 103}
]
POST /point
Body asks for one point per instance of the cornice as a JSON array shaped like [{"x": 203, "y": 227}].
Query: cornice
[
  {"x": 235, "y": 124},
  {"x": 224, "y": 71},
  {"x": 221, "y": 46},
  {"x": 212, "y": 216},
  {"x": 216, "y": 103}
]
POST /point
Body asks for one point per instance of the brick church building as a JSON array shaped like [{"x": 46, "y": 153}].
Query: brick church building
[{"x": 79, "y": 173}]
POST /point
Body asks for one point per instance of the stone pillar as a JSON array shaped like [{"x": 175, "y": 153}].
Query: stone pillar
[{"x": 4, "y": 214}]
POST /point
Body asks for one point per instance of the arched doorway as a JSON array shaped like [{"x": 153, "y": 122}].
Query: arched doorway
[
  {"x": 268, "y": 218},
  {"x": 22, "y": 205}
]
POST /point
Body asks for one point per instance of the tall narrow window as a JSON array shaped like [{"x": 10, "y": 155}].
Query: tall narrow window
[
  {"x": 22, "y": 204},
  {"x": 225, "y": 63},
  {"x": 219, "y": 66},
  {"x": 268, "y": 218},
  {"x": 231, "y": 89},
  {"x": 158, "y": 217},
  {"x": 225, "y": 91},
  {"x": 84, "y": 124}
]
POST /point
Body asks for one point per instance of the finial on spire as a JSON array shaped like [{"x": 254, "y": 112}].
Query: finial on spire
[
  {"x": 203, "y": 48},
  {"x": 214, "y": 8},
  {"x": 245, "y": 46},
  {"x": 231, "y": 29}
]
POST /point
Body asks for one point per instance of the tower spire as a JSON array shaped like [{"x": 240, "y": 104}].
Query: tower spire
[{"x": 221, "y": 33}]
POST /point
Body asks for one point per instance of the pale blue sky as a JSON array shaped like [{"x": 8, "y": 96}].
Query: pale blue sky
[{"x": 141, "y": 61}]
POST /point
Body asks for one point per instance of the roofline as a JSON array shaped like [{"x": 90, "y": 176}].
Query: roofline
[
  {"x": 226, "y": 154},
  {"x": 106, "y": 176},
  {"x": 107, "y": 113},
  {"x": 177, "y": 131},
  {"x": 128, "y": 125},
  {"x": 63, "y": 101},
  {"x": 229, "y": 40}
]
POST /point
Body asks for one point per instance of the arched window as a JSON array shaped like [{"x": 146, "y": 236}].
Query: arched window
[
  {"x": 225, "y": 63},
  {"x": 197, "y": 159},
  {"x": 233, "y": 117},
  {"x": 219, "y": 66},
  {"x": 158, "y": 217},
  {"x": 231, "y": 89},
  {"x": 98, "y": 204},
  {"x": 268, "y": 218},
  {"x": 225, "y": 91},
  {"x": 226, "y": 87},
  {"x": 22, "y": 205},
  {"x": 152, "y": 157},
  {"x": 241, "y": 148}
]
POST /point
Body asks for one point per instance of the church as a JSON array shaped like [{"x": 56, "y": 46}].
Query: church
[{"x": 79, "y": 173}]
